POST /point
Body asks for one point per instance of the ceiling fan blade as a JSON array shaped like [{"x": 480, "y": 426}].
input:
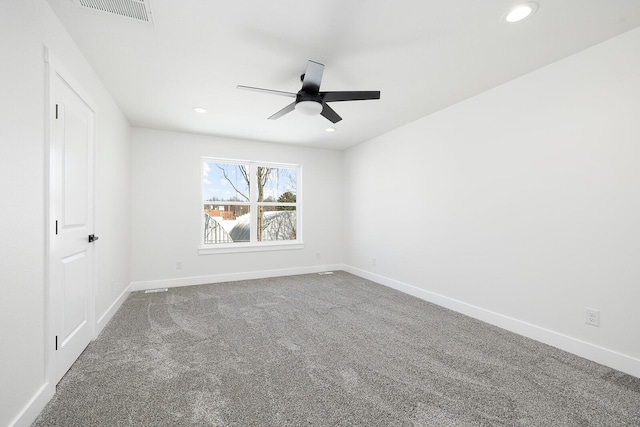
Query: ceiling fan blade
[
  {"x": 312, "y": 77},
  {"x": 361, "y": 95},
  {"x": 329, "y": 114},
  {"x": 271, "y": 91},
  {"x": 289, "y": 108}
]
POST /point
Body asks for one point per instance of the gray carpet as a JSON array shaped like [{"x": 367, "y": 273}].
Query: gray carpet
[{"x": 332, "y": 350}]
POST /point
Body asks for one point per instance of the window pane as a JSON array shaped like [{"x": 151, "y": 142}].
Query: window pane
[
  {"x": 225, "y": 182},
  {"x": 276, "y": 223},
  {"x": 226, "y": 224},
  {"x": 248, "y": 202},
  {"x": 277, "y": 184}
]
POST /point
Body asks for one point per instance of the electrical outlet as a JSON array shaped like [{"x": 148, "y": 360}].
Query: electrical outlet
[
  {"x": 318, "y": 255},
  {"x": 592, "y": 317},
  {"x": 373, "y": 262},
  {"x": 178, "y": 265}
]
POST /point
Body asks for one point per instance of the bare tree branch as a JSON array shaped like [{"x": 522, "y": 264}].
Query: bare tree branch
[{"x": 244, "y": 174}]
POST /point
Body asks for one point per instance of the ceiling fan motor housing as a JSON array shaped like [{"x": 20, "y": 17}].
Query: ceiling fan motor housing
[{"x": 306, "y": 96}]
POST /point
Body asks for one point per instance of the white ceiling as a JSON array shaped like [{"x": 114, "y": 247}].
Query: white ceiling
[{"x": 423, "y": 55}]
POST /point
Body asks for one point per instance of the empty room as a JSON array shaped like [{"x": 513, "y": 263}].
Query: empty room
[{"x": 336, "y": 213}]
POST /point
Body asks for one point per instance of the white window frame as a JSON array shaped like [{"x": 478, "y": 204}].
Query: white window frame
[{"x": 254, "y": 245}]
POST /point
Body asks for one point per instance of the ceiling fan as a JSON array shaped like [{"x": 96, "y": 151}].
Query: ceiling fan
[{"x": 309, "y": 99}]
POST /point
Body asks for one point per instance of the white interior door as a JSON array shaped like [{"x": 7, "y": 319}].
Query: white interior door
[{"x": 71, "y": 210}]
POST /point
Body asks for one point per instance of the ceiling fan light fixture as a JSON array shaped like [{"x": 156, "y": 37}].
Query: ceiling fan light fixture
[
  {"x": 520, "y": 12},
  {"x": 309, "y": 108}
]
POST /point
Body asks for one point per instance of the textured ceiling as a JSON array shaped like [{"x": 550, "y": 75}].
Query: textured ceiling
[{"x": 422, "y": 55}]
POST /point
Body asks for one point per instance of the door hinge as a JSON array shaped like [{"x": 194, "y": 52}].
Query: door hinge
[
  {"x": 56, "y": 227},
  {"x": 56, "y": 111},
  {"x": 56, "y": 343}
]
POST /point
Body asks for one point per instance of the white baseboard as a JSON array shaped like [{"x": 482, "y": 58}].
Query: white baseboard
[
  {"x": 604, "y": 356},
  {"x": 229, "y": 277},
  {"x": 33, "y": 408},
  {"x": 111, "y": 311}
]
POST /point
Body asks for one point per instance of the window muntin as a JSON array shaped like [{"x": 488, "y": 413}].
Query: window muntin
[{"x": 249, "y": 203}]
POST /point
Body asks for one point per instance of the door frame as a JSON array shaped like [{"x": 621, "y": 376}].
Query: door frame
[{"x": 55, "y": 69}]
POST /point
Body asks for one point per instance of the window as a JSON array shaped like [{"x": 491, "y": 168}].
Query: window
[{"x": 249, "y": 205}]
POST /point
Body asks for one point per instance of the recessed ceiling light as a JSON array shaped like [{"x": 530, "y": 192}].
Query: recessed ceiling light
[
  {"x": 200, "y": 110},
  {"x": 330, "y": 129},
  {"x": 520, "y": 12}
]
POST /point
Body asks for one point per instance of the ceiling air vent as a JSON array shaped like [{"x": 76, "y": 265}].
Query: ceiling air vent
[{"x": 132, "y": 9}]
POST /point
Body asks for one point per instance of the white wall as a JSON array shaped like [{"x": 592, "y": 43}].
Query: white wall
[
  {"x": 520, "y": 206},
  {"x": 26, "y": 27},
  {"x": 167, "y": 180}
]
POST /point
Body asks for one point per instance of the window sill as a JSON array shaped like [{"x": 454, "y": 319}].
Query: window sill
[{"x": 249, "y": 247}]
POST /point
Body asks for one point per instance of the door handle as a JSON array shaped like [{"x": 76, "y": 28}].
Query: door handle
[{"x": 92, "y": 238}]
